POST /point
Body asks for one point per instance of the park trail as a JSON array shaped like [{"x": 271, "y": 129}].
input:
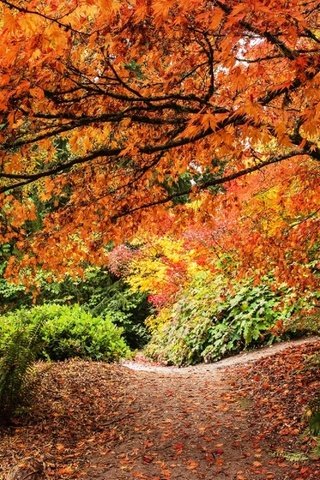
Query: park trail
[{"x": 139, "y": 421}]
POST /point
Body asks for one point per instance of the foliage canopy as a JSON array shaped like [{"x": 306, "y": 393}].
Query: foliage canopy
[{"x": 107, "y": 106}]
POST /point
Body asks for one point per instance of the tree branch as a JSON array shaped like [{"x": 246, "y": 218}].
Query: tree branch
[{"x": 211, "y": 183}]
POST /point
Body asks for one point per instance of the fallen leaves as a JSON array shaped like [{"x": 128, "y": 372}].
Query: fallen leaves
[
  {"x": 192, "y": 465},
  {"x": 95, "y": 420},
  {"x": 280, "y": 388},
  {"x": 65, "y": 471}
]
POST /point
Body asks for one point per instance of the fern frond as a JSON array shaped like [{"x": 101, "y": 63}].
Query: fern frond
[{"x": 16, "y": 369}]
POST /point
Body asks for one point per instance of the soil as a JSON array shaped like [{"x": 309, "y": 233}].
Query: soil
[{"x": 95, "y": 421}]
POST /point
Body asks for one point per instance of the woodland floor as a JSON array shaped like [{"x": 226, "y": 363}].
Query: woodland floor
[{"x": 240, "y": 419}]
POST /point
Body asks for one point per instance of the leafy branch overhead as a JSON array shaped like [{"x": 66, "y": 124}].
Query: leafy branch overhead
[{"x": 141, "y": 94}]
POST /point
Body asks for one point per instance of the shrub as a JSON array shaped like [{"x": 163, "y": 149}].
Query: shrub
[
  {"x": 208, "y": 321},
  {"x": 127, "y": 310},
  {"x": 98, "y": 291},
  {"x": 103, "y": 295},
  {"x": 68, "y": 331},
  {"x": 309, "y": 322}
]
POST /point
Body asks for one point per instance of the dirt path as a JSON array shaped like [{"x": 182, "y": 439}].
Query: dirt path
[
  {"x": 183, "y": 426},
  {"x": 211, "y": 368},
  {"x": 104, "y": 422},
  {"x": 189, "y": 423}
]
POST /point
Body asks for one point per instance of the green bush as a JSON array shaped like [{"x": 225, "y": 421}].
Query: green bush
[
  {"x": 99, "y": 292},
  {"x": 208, "y": 322},
  {"x": 103, "y": 295},
  {"x": 309, "y": 321},
  {"x": 127, "y": 310},
  {"x": 12, "y": 295},
  {"x": 16, "y": 369},
  {"x": 67, "y": 331}
]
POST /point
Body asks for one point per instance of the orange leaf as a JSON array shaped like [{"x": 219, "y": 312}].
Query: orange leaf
[
  {"x": 192, "y": 465},
  {"x": 65, "y": 470},
  {"x": 37, "y": 92}
]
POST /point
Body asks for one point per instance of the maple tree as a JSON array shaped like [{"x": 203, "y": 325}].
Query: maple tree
[
  {"x": 267, "y": 224},
  {"x": 105, "y": 105},
  {"x": 272, "y": 225},
  {"x": 246, "y": 273}
]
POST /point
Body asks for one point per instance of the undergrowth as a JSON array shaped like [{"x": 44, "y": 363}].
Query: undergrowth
[
  {"x": 16, "y": 369},
  {"x": 209, "y": 321},
  {"x": 66, "y": 332}
]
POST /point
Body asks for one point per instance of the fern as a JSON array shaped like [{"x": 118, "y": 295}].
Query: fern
[{"x": 16, "y": 370}]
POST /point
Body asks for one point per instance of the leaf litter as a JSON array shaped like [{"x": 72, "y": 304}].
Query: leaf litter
[{"x": 97, "y": 421}]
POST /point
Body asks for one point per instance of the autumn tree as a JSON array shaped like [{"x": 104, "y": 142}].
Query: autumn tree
[{"x": 105, "y": 105}]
